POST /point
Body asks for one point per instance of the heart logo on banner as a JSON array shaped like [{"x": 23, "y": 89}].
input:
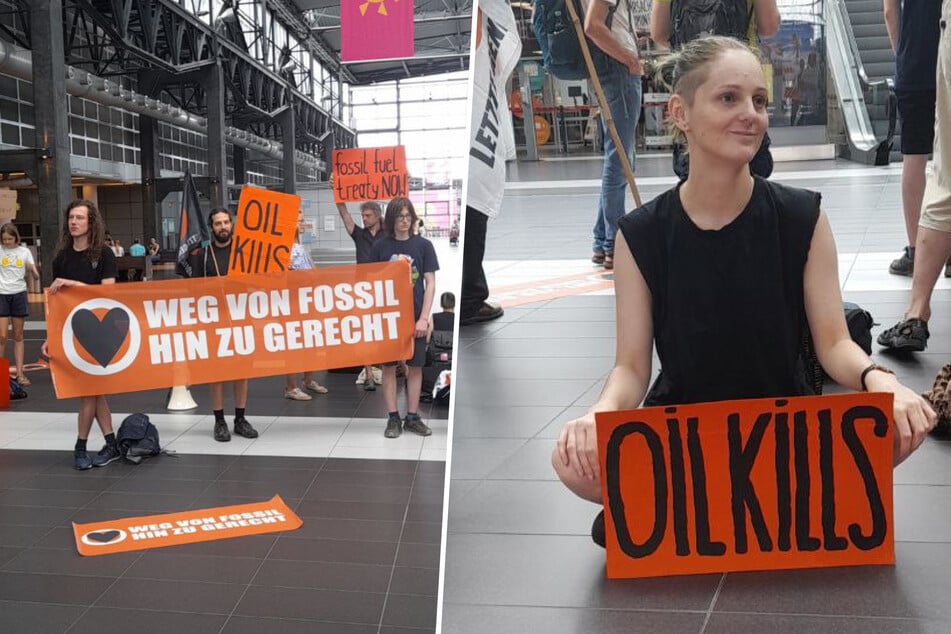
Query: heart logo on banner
[
  {"x": 103, "y": 537},
  {"x": 102, "y": 339}
]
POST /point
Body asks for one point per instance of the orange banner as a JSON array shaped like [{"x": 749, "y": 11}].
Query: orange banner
[
  {"x": 188, "y": 527},
  {"x": 147, "y": 335},
  {"x": 370, "y": 174},
  {"x": 264, "y": 231},
  {"x": 748, "y": 485}
]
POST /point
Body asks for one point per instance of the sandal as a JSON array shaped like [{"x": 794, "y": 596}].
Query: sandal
[
  {"x": 22, "y": 380},
  {"x": 910, "y": 335}
]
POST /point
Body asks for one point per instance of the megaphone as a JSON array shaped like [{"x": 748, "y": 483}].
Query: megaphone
[{"x": 180, "y": 399}]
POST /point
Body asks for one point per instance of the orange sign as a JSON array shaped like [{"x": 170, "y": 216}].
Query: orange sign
[
  {"x": 264, "y": 231},
  {"x": 189, "y": 527},
  {"x": 748, "y": 485},
  {"x": 147, "y": 335},
  {"x": 377, "y": 173}
]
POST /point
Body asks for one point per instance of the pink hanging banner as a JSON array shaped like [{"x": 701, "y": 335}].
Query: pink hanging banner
[{"x": 376, "y": 29}]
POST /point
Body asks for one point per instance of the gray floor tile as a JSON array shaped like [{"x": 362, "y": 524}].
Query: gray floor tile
[
  {"x": 322, "y": 605},
  {"x": 476, "y": 619},
  {"x": 62, "y": 589},
  {"x": 37, "y": 618},
  {"x": 501, "y": 422},
  {"x": 331, "y": 550},
  {"x": 347, "y": 529},
  {"x": 474, "y": 458},
  {"x": 59, "y": 562},
  {"x": 20, "y": 535},
  {"x": 424, "y": 581},
  {"x": 928, "y": 465},
  {"x": 410, "y": 611},
  {"x": 782, "y": 624},
  {"x": 257, "y": 625},
  {"x": 413, "y": 555},
  {"x": 333, "y": 491},
  {"x": 557, "y": 571},
  {"x": 173, "y": 596},
  {"x": 357, "y": 510},
  {"x": 325, "y": 575},
  {"x": 169, "y": 564},
  {"x": 910, "y": 589},
  {"x": 118, "y": 621},
  {"x": 922, "y": 513},
  {"x": 522, "y": 507},
  {"x": 43, "y": 497},
  {"x": 532, "y": 461},
  {"x": 523, "y": 392}
]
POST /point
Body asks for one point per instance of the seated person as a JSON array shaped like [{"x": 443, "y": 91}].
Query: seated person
[
  {"x": 136, "y": 250},
  {"x": 725, "y": 273}
]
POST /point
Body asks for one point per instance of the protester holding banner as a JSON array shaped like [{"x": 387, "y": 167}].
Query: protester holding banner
[
  {"x": 300, "y": 261},
  {"x": 402, "y": 243},
  {"x": 728, "y": 274},
  {"x": 16, "y": 263},
  {"x": 363, "y": 239},
  {"x": 82, "y": 258},
  {"x": 213, "y": 261}
]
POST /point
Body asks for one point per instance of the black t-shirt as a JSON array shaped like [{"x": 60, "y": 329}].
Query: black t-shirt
[
  {"x": 70, "y": 264},
  {"x": 203, "y": 263},
  {"x": 363, "y": 240},
  {"x": 422, "y": 260},
  {"x": 916, "y": 61},
  {"x": 727, "y": 306}
]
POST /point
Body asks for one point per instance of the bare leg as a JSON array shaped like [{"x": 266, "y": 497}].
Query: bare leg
[
  {"x": 103, "y": 415},
  {"x": 414, "y": 383},
  {"x": 912, "y": 193},
  {"x": 87, "y": 412},
  {"x": 241, "y": 393},
  {"x": 931, "y": 252},
  {"x": 582, "y": 487},
  {"x": 4, "y": 331},
  {"x": 217, "y": 396},
  {"x": 389, "y": 387},
  {"x": 308, "y": 377},
  {"x": 291, "y": 381},
  {"x": 17, "y": 343},
  {"x": 368, "y": 372}
]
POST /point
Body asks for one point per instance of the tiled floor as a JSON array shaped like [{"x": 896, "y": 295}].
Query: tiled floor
[
  {"x": 519, "y": 556},
  {"x": 365, "y": 561}
]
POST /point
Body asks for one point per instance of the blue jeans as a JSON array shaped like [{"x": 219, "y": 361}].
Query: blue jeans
[{"x": 623, "y": 94}]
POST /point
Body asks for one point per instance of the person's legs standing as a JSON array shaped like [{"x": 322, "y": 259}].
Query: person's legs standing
[
  {"x": 414, "y": 384},
  {"x": 394, "y": 424},
  {"x": 4, "y": 325},
  {"x": 221, "y": 433},
  {"x": 475, "y": 289},
  {"x": 18, "y": 323},
  {"x": 622, "y": 92},
  {"x": 241, "y": 425}
]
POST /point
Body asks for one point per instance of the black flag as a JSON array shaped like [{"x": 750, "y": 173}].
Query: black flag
[{"x": 193, "y": 232}]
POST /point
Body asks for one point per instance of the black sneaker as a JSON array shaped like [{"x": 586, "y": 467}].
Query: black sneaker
[
  {"x": 597, "y": 529},
  {"x": 369, "y": 385},
  {"x": 910, "y": 335},
  {"x": 905, "y": 265},
  {"x": 394, "y": 427},
  {"x": 106, "y": 455},
  {"x": 221, "y": 431},
  {"x": 243, "y": 428},
  {"x": 415, "y": 424},
  {"x": 81, "y": 460}
]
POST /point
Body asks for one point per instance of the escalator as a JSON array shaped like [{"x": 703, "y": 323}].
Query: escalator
[{"x": 863, "y": 66}]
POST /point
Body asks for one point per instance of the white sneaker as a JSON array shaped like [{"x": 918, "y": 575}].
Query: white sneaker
[
  {"x": 296, "y": 394},
  {"x": 361, "y": 378},
  {"x": 377, "y": 375},
  {"x": 314, "y": 386}
]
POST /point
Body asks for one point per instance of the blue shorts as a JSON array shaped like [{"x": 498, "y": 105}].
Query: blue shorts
[{"x": 14, "y": 305}]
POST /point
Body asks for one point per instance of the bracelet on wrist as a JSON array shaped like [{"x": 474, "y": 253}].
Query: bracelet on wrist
[{"x": 871, "y": 368}]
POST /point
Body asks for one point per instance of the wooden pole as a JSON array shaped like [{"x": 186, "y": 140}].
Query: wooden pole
[{"x": 605, "y": 109}]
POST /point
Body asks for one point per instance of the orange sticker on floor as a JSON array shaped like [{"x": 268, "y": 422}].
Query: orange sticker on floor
[
  {"x": 555, "y": 288},
  {"x": 188, "y": 527},
  {"x": 748, "y": 485}
]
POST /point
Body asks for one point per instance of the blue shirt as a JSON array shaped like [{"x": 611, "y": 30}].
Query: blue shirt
[
  {"x": 136, "y": 250},
  {"x": 422, "y": 258},
  {"x": 916, "y": 61}
]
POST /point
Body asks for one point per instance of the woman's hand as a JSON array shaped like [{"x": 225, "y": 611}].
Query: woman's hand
[
  {"x": 578, "y": 447},
  {"x": 59, "y": 283},
  {"x": 913, "y": 415}
]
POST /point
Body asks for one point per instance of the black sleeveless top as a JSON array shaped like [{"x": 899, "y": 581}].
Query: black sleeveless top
[{"x": 727, "y": 305}]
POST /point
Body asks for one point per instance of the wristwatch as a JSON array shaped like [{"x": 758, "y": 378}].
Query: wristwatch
[{"x": 870, "y": 368}]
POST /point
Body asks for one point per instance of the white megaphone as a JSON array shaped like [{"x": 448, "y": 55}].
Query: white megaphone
[{"x": 180, "y": 399}]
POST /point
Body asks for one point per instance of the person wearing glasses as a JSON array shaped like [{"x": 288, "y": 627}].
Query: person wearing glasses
[{"x": 400, "y": 242}]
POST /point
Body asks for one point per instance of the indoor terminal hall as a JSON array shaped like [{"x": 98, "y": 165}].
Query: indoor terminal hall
[
  {"x": 119, "y": 104},
  {"x": 519, "y": 552}
]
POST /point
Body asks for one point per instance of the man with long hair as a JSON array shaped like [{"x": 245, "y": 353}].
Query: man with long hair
[
  {"x": 402, "y": 243},
  {"x": 82, "y": 258}
]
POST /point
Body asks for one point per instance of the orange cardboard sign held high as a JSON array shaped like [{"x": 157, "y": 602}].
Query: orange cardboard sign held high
[
  {"x": 370, "y": 174},
  {"x": 264, "y": 231},
  {"x": 748, "y": 485}
]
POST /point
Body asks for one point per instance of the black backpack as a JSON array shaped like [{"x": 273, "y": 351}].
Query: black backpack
[
  {"x": 860, "y": 324},
  {"x": 558, "y": 41},
  {"x": 138, "y": 438},
  {"x": 692, "y": 19}
]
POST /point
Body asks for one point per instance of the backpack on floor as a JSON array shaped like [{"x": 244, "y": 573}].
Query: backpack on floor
[
  {"x": 692, "y": 19},
  {"x": 860, "y": 324},
  {"x": 558, "y": 41},
  {"x": 16, "y": 390},
  {"x": 138, "y": 438}
]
